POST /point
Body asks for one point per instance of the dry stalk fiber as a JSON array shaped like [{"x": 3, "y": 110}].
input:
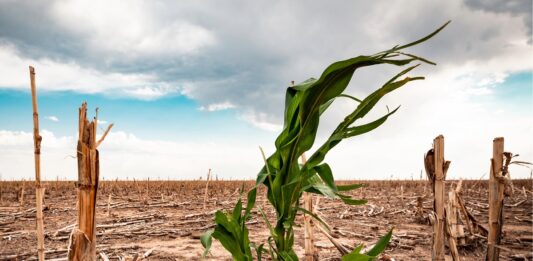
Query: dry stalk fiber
[
  {"x": 207, "y": 186},
  {"x": 401, "y": 195},
  {"x": 436, "y": 168},
  {"x": 82, "y": 245},
  {"x": 496, "y": 189},
  {"x": 454, "y": 230},
  {"x": 21, "y": 197},
  {"x": 39, "y": 192},
  {"x": 109, "y": 205}
]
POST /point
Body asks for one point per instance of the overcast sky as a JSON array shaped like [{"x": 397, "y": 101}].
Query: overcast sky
[{"x": 193, "y": 85}]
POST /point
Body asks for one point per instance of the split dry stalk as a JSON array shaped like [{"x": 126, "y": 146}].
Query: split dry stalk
[
  {"x": 474, "y": 226},
  {"x": 496, "y": 189},
  {"x": 39, "y": 191},
  {"x": 453, "y": 229},
  {"x": 436, "y": 168},
  {"x": 438, "y": 244},
  {"x": 82, "y": 245}
]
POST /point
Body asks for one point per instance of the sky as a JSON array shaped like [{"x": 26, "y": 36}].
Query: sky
[{"x": 194, "y": 85}]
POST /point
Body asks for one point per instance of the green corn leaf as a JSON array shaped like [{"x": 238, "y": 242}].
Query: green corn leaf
[
  {"x": 237, "y": 211},
  {"x": 364, "y": 107},
  {"x": 229, "y": 244},
  {"x": 350, "y": 187},
  {"x": 380, "y": 245},
  {"x": 358, "y": 248},
  {"x": 289, "y": 256},
  {"x": 349, "y": 96},
  {"x": 258, "y": 250},
  {"x": 324, "y": 171},
  {"x": 324, "y": 190},
  {"x": 269, "y": 225},
  {"x": 232, "y": 235},
  {"x": 358, "y": 130},
  {"x": 357, "y": 257},
  {"x": 271, "y": 249},
  {"x": 423, "y": 39},
  {"x": 250, "y": 202},
  {"x": 350, "y": 201},
  {"x": 325, "y": 106},
  {"x": 313, "y": 215},
  {"x": 418, "y": 58},
  {"x": 206, "y": 239}
]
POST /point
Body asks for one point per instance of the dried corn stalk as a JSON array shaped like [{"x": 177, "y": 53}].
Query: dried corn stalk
[
  {"x": 82, "y": 245},
  {"x": 499, "y": 186},
  {"x": 455, "y": 231},
  {"x": 39, "y": 191},
  {"x": 436, "y": 168}
]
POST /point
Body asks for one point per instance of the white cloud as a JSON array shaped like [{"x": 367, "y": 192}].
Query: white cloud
[
  {"x": 217, "y": 106},
  {"x": 52, "y": 118},
  {"x": 392, "y": 150},
  {"x": 151, "y": 93},
  {"x": 23, "y": 140},
  {"x": 123, "y": 155}
]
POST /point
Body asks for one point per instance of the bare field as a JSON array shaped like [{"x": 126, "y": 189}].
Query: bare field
[{"x": 163, "y": 219}]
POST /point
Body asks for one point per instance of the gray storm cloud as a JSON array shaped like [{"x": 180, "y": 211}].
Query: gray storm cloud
[{"x": 216, "y": 53}]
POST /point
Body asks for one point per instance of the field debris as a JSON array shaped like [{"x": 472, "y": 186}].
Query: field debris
[{"x": 169, "y": 225}]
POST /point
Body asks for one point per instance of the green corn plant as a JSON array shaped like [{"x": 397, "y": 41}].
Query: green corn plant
[
  {"x": 231, "y": 230},
  {"x": 286, "y": 180}
]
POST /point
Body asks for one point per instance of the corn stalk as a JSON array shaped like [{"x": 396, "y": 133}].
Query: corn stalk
[
  {"x": 285, "y": 179},
  {"x": 82, "y": 243},
  {"x": 39, "y": 190}
]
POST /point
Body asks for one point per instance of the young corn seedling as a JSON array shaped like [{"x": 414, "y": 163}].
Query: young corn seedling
[{"x": 286, "y": 180}]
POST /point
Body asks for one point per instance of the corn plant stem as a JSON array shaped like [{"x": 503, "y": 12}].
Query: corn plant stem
[
  {"x": 39, "y": 192},
  {"x": 496, "y": 189},
  {"x": 279, "y": 229}
]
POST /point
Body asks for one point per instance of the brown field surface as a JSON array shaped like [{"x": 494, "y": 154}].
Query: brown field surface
[{"x": 163, "y": 219}]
